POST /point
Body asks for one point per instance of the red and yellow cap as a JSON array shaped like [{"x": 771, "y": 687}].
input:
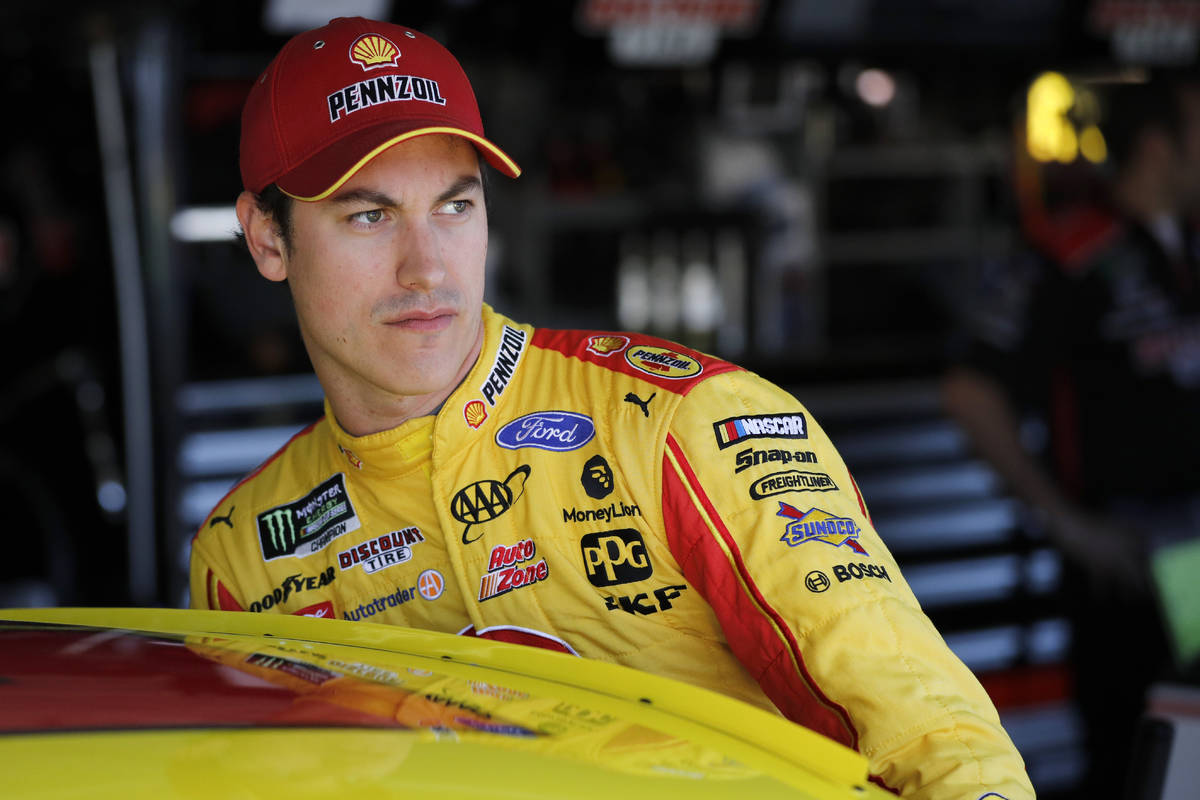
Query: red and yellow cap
[{"x": 337, "y": 96}]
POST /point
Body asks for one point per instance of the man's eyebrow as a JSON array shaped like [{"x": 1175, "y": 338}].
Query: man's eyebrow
[
  {"x": 363, "y": 196},
  {"x": 465, "y": 184}
]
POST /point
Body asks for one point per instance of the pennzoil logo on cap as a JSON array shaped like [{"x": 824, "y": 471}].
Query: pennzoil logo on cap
[{"x": 372, "y": 51}]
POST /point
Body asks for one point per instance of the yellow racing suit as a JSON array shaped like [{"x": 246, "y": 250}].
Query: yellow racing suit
[{"x": 626, "y": 499}]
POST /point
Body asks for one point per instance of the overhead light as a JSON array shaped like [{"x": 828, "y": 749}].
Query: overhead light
[
  {"x": 286, "y": 17},
  {"x": 875, "y": 87}
]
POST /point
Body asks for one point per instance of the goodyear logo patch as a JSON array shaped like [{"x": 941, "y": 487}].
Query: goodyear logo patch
[
  {"x": 307, "y": 525},
  {"x": 760, "y": 426},
  {"x": 816, "y": 525},
  {"x": 661, "y": 362}
]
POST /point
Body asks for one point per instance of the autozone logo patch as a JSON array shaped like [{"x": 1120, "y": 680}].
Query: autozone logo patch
[
  {"x": 761, "y": 426},
  {"x": 382, "y": 551},
  {"x": 307, "y": 525},
  {"x": 485, "y": 500},
  {"x": 660, "y": 361},
  {"x": 793, "y": 480},
  {"x": 820, "y": 526},
  {"x": 614, "y": 557},
  {"x": 512, "y": 345},
  {"x": 505, "y": 572}
]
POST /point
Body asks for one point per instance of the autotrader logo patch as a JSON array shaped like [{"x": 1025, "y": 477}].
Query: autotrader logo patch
[{"x": 307, "y": 525}]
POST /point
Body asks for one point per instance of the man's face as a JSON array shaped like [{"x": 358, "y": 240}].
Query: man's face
[{"x": 387, "y": 273}]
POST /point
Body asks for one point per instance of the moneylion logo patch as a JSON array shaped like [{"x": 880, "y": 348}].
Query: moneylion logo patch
[
  {"x": 306, "y": 526},
  {"x": 819, "y": 526},
  {"x": 661, "y": 362}
]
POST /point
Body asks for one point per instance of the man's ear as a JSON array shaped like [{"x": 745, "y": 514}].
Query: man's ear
[{"x": 262, "y": 238}]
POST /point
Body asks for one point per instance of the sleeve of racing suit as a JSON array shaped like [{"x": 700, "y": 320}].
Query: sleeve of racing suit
[
  {"x": 767, "y": 523},
  {"x": 210, "y": 579}
]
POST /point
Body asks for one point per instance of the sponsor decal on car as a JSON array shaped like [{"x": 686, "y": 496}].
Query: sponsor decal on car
[
  {"x": 597, "y": 477},
  {"x": 645, "y": 604},
  {"x": 508, "y": 355},
  {"x": 816, "y": 525},
  {"x": 292, "y": 584},
  {"x": 607, "y": 345},
  {"x": 745, "y": 459},
  {"x": 309, "y": 673},
  {"x": 614, "y": 557},
  {"x": 307, "y": 525},
  {"x": 508, "y": 569},
  {"x": 760, "y": 426},
  {"x": 607, "y": 514},
  {"x": 547, "y": 430},
  {"x": 661, "y": 362},
  {"x": 376, "y": 606},
  {"x": 381, "y": 552},
  {"x": 483, "y": 501},
  {"x": 792, "y": 480}
]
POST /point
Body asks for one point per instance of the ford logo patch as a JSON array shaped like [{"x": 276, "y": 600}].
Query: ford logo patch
[{"x": 547, "y": 430}]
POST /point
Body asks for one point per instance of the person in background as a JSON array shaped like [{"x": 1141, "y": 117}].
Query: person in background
[
  {"x": 609, "y": 495},
  {"x": 1095, "y": 329}
]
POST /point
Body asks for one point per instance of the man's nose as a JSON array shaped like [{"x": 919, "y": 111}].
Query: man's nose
[{"x": 419, "y": 265}]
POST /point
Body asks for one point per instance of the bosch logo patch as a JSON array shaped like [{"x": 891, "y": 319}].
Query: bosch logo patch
[
  {"x": 856, "y": 572},
  {"x": 485, "y": 500},
  {"x": 614, "y": 557}
]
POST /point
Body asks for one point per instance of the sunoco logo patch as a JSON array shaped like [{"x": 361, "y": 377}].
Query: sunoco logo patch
[
  {"x": 662, "y": 362},
  {"x": 307, "y": 525},
  {"x": 816, "y": 525}
]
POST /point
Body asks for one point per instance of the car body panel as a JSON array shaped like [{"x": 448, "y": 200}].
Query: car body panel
[{"x": 175, "y": 703}]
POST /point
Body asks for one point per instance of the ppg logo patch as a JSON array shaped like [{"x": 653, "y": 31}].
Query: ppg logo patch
[
  {"x": 307, "y": 525},
  {"x": 614, "y": 557}
]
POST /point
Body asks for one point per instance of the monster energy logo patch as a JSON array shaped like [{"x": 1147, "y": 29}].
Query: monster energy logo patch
[{"x": 307, "y": 525}]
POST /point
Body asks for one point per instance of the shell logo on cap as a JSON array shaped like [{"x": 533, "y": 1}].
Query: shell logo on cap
[{"x": 371, "y": 51}]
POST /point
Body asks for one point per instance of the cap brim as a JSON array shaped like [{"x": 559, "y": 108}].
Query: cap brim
[{"x": 324, "y": 173}]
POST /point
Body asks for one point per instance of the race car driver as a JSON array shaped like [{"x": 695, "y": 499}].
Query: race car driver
[{"x": 610, "y": 495}]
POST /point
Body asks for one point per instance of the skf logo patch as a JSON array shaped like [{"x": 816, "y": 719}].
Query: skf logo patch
[
  {"x": 641, "y": 603},
  {"x": 475, "y": 412},
  {"x": 508, "y": 355},
  {"x": 793, "y": 480},
  {"x": 607, "y": 345},
  {"x": 307, "y": 525},
  {"x": 505, "y": 573},
  {"x": 661, "y": 362},
  {"x": 818, "y": 525},
  {"x": 761, "y": 426},
  {"x": 614, "y": 557},
  {"x": 372, "y": 51},
  {"x": 483, "y": 501}
]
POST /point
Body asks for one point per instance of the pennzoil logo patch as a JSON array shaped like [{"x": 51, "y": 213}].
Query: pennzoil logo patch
[
  {"x": 508, "y": 355},
  {"x": 661, "y": 362},
  {"x": 306, "y": 526}
]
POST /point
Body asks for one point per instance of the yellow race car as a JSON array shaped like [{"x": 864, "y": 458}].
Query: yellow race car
[{"x": 125, "y": 703}]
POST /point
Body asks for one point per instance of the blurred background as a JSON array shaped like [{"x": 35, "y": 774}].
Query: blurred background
[{"x": 809, "y": 188}]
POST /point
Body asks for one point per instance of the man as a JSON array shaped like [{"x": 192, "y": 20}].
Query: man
[
  {"x": 1097, "y": 330},
  {"x": 609, "y": 495}
]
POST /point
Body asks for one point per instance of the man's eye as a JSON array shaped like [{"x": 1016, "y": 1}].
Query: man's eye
[
  {"x": 369, "y": 217},
  {"x": 457, "y": 206}
]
